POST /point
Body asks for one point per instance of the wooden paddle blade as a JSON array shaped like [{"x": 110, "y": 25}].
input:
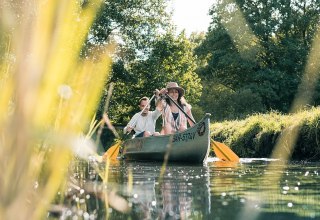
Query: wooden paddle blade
[
  {"x": 227, "y": 164},
  {"x": 223, "y": 152},
  {"x": 113, "y": 152}
]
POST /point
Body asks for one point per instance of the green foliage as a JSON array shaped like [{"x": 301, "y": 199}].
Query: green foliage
[
  {"x": 251, "y": 60},
  {"x": 131, "y": 23},
  {"x": 225, "y": 103},
  {"x": 258, "y": 45},
  {"x": 171, "y": 59},
  {"x": 148, "y": 54},
  {"x": 197, "y": 112},
  {"x": 256, "y": 135}
]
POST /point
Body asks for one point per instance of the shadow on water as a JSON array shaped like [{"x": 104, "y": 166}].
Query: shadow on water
[{"x": 213, "y": 191}]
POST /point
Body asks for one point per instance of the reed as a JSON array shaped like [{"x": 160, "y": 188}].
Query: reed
[{"x": 48, "y": 97}]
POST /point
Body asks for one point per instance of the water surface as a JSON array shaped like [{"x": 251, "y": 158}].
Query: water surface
[{"x": 251, "y": 189}]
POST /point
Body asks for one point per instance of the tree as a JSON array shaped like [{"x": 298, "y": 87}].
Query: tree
[
  {"x": 171, "y": 59},
  {"x": 133, "y": 24},
  {"x": 260, "y": 46}
]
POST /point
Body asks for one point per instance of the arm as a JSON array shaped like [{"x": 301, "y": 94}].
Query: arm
[
  {"x": 159, "y": 100},
  {"x": 132, "y": 123},
  {"x": 189, "y": 113},
  {"x": 156, "y": 113}
]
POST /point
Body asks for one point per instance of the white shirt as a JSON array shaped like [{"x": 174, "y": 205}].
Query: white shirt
[{"x": 141, "y": 123}]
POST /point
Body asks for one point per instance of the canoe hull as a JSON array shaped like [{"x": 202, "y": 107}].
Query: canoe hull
[{"x": 189, "y": 146}]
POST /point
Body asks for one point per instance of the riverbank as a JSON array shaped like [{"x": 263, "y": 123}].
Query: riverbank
[{"x": 256, "y": 136}]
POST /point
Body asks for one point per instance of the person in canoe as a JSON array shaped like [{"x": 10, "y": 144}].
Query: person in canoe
[
  {"x": 174, "y": 120},
  {"x": 143, "y": 123}
]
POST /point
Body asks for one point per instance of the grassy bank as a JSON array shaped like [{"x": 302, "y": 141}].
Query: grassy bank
[{"x": 257, "y": 135}]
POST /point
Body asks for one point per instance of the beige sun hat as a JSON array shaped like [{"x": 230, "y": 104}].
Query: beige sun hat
[{"x": 174, "y": 85}]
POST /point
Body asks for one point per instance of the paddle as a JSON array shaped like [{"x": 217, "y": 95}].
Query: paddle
[
  {"x": 222, "y": 151},
  {"x": 113, "y": 151}
]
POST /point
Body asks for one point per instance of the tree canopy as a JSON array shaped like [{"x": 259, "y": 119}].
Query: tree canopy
[
  {"x": 171, "y": 59},
  {"x": 133, "y": 24},
  {"x": 251, "y": 59},
  {"x": 260, "y": 47}
]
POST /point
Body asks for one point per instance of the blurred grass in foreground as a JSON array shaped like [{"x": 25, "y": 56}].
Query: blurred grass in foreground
[{"x": 48, "y": 95}]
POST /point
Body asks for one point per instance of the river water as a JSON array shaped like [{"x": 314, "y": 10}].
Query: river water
[{"x": 257, "y": 189}]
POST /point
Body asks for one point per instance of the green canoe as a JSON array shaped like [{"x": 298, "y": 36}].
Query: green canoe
[{"x": 189, "y": 146}]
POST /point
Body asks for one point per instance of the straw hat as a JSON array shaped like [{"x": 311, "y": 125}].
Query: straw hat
[{"x": 174, "y": 85}]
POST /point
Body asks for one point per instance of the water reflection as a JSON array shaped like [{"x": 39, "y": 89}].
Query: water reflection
[
  {"x": 214, "y": 191},
  {"x": 182, "y": 193}
]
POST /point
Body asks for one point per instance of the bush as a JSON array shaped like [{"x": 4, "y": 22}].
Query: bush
[
  {"x": 226, "y": 104},
  {"x": 257, "y": 135}
]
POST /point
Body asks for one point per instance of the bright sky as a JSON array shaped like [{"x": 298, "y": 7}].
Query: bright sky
[{"x": 191, "y": 15}]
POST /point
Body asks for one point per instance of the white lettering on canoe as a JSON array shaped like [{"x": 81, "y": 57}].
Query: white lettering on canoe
[{"x": 184, "y": 137}]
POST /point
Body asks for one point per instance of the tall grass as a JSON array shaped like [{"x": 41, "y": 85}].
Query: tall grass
[
  {"x": 257, "y": 135},
  {"x": 48, "y": 95}
]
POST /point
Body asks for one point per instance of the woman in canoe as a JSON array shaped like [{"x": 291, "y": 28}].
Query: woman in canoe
[{"x": 174, "y": 120}]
